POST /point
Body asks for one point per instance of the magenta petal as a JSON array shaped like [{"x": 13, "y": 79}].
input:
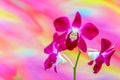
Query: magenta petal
[
  {"x": 105, "y": 44},
  {"x": 62, "y": 38},
  {"x": 55, "y": 69},
  {"x": 62, "y": 47},
  {"x": 82, "y": 44},
  {"x": 55, "y": 36},
  {"x": 107, "y": 57},
  {"x": 77, "y": 20},
  {"x": 49, "y": 49},
  {"x": 100, "y": 59},
  {"x": 98, "y": 65},
  {"x": 62, "y": 24},
  {"x": 50, "y": 61},
  {"x": 61, "y": 41},
  {"x": 90, "y": 63},
  {"x": 89, "y": 31}
]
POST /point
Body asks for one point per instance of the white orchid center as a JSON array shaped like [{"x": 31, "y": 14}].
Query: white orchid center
[
  {"x": 75, "y": 29},
  {"x": 93, "y": 53},
  {"x": 73, "y": 34}
]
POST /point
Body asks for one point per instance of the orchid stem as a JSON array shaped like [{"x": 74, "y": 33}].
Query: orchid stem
[{"x": 76, "y": 63}]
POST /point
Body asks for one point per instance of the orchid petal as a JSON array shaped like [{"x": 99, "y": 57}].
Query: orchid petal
[
  {"x": 98, "y": 65},
  {"x": 100, "y": 59},
  {"x": 62, "y": 24},
  {"x": 89, "y": 31},
  {"x": 52, "y": 47},
  {"x": 107, "y": 57},
  {"x": 62, "y": 47},
  {"x": 58, "y": 44},
  {"x": 49, "y": 49},
  {"x": 105, "y": 44},
  {"x": 55, "y": 36},
  {"x": 55, "y": 69},
  {"x": 77, "y": 20},
  {"x": 50, "y": 61},
  {"x": 82, "y": 44},
  {"x": 61, "y": 41},
  {"x": 90, "y": 63},
  {"x": 61, "y": 38}
]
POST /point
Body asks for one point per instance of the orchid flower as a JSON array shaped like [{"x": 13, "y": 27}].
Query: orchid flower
[
  {"x": 54, "y": 55},
  {"x": 102, "y": 56},
  {"x": 73, "y": 35}
]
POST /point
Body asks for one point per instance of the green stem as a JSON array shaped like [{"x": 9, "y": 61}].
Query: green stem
[{"x": 75, "y": 67}]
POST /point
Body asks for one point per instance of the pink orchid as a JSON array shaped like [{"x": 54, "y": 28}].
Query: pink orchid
[
  {"x": 103, "y": 56},
  {"x": 54, "y": 54},
  {"x": 73, "y": 35}
]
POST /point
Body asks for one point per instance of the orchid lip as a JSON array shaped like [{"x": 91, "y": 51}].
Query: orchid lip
[{"x": 73, "y": 33}]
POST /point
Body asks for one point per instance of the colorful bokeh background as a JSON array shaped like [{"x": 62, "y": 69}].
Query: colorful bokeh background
[{"x": 26, "y": 28}]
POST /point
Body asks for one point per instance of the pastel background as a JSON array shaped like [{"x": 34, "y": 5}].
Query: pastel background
[{"x": 26, "y": 27}]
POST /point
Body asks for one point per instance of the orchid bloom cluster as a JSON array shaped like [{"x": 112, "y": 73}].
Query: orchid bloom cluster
[{"x": 68, "y": 37}]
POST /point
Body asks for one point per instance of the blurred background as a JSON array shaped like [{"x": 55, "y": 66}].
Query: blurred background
[{"x": 26, "y": 28}]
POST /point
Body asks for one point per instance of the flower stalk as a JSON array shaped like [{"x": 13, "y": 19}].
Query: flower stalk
[{"x": 76, "y": 63}]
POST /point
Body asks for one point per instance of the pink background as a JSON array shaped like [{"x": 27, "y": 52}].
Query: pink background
[{"x": 26, "y": 27}]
